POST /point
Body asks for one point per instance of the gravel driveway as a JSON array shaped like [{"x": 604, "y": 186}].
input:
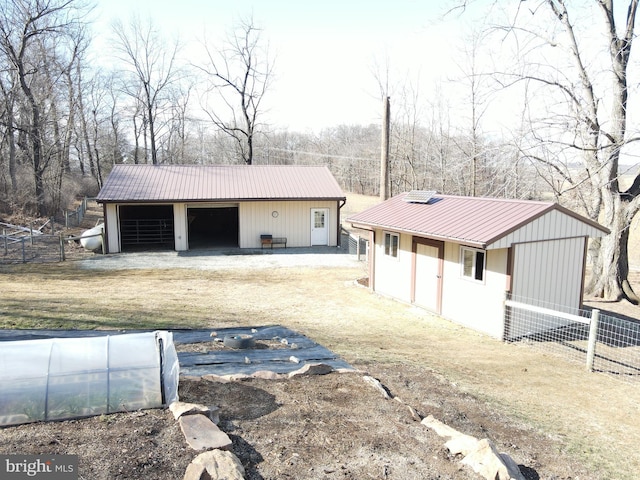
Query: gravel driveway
[{"x": 217, "y": 259}]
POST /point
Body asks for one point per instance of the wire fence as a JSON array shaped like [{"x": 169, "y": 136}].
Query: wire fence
[
  {"x": 47, "y": 243},
  {"x": 42, "y": 248},
  {"x": 355, "y": 244},
  {"x": 602, "y": 342}
]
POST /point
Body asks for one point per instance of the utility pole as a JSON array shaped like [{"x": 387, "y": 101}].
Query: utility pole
[{"x": 384, "y": 151}]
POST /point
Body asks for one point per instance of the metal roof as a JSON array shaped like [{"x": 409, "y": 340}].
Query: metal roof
[
  {"x": 187, "y": 183},
  {"x": 475, "y": 221}
]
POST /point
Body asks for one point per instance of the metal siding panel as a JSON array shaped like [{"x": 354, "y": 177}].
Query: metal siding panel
[
  {"x": 293, "y": 221},
  {"x": 180, "y": 226},
  {"x": 550, "y": 271},
  {"x": 113, "y": 228}
]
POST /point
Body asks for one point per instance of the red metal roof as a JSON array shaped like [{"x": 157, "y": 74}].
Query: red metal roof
[
  {"x": 184, "y": 183},
  {"x": 477, "y": 221}
]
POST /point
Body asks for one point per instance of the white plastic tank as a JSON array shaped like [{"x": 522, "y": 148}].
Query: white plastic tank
[{"x": 92, "y": 239}]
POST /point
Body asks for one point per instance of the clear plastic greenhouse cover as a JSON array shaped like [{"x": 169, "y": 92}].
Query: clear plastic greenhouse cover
[{"x": 60, "y": 378}]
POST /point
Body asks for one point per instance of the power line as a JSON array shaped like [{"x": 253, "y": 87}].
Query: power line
[{"x": 316, "y": 154}]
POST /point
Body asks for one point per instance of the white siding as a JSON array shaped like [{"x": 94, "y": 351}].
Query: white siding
[
  {"x": 180, "y": 227},
  {"x": 293, "y": 221},
  {"x": 478, "y": 305},
  {"x": 552, "y": 225},
  {"x": 393, "y": 275},
  {"x": 113, "y": 228}
]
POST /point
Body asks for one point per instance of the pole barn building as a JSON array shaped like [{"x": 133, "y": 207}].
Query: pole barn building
[
  {"x": 459, "y": 256},
  {"x": 182, "y": 207}
]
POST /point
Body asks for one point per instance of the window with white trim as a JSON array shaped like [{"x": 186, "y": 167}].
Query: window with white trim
[
  {"x": 473, "y": 263},
  {"x": 391, "y": 242}
]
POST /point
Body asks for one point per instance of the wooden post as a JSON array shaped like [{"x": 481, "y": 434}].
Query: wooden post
[
  {"x": 6, "y": 243},
  {"x": 24, "y": 253},
  {"x": 593, "y": 337},
  {"x": 384, "y": 150},
  {"x": 62, "y": 255}
]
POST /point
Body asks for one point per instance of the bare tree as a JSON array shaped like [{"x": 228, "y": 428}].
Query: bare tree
[
  {"x": 28, "y": 29},
  {"x": 578, "y": 116},
  {"x": 239, "y": 76},
  {"x": 153, "y": 70}
]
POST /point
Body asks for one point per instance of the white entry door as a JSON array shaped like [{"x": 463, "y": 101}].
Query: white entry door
[
  {"x": 427, "y": 277},
  {"x": 319, "y": 226}
]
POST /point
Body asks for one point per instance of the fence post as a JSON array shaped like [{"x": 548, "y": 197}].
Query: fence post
[
  {"x": 66, "y": 219},
  {"x": 6, "y": 243},
  {"x": 31, "y": 232},
  {"x": 593, "y": 336},
  {"x": 24, "y": 253},
  {"x": 62, "y": 256}
]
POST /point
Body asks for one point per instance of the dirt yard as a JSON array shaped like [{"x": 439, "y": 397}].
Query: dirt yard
[{"x": 553, "y": 418}]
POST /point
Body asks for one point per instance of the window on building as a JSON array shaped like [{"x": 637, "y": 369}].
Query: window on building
[
  {"x": 391, "y": 242},
  {"x": 472, "y": 263}
]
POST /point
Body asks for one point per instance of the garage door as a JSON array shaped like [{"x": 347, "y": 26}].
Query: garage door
[
  {"x": 144, "y": 227},
  {"x": 211, "y": 227}
]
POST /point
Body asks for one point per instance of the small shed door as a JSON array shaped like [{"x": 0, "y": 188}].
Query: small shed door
[
  {"x": 427, "y": 274},
  {"x": 319, "y": 226}
]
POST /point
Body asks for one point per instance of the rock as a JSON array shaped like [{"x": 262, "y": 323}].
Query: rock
[
  {"x": 377, "y": 385},
  {"x": 265, "y": 375},
  {"x": 182, "y": 408},
  {"x": 312, "y": 369},
  {"x": 440, "y": 428},
  {"x": 212, "y": 377},
  {"x": 414, "y": 413},
  {"x": 462, "y": 444},
  {"x": 486, "y": 461},
  {"x": 215, "y": 465},
  {"x": 202, "y": 434}
]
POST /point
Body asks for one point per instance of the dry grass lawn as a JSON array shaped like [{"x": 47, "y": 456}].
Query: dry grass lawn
[{"x": 591, "y": 416}]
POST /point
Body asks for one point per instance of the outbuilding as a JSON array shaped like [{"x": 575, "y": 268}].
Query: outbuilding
[
  {"x": 182, "y": 207},
  {"x": 459, "y": 256}
]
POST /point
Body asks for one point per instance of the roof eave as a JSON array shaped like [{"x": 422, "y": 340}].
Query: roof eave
[
  {"x": 221, "y": 200},
  {"x": 443, "y": 238}
]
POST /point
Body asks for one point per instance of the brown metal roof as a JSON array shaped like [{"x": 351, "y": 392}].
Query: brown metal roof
[
  {"x": 184, "y": 183},
  {"x": 476, "y": 221}
]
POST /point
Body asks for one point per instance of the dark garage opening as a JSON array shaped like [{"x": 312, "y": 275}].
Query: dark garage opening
[
  {"x": 213, "y": 227},
  {"x": 146, "y": 227}
]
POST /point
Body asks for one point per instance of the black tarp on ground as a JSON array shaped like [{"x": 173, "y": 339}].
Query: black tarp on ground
[{"x": 220, "y": 362}]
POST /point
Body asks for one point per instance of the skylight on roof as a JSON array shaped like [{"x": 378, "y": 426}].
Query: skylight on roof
[{"x": 419, "y": 196}]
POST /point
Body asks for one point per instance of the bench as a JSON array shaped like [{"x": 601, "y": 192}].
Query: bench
[{"x": 270, "y": 240}]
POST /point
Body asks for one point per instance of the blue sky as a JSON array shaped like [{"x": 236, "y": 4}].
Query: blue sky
[{"x": 325, "y": 52}]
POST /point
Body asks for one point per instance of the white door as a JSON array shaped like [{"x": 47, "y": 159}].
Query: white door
[
  {"x": 427, "y": 279},
  {"x": 319, "y": 226}
]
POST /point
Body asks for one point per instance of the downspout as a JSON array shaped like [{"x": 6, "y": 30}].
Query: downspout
[{"x": 340, "y": 203}]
